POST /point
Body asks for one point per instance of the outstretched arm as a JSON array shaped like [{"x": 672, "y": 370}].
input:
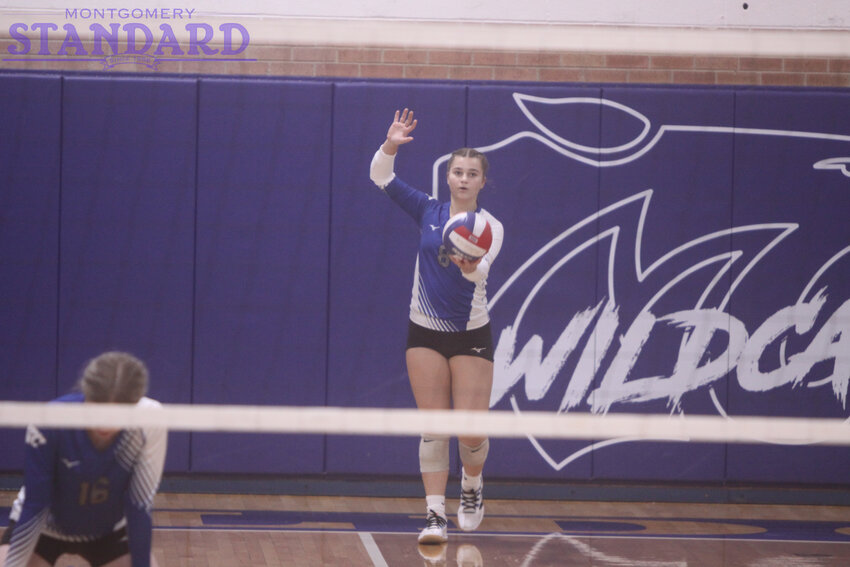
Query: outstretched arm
[{"x": 381, "y": 169}]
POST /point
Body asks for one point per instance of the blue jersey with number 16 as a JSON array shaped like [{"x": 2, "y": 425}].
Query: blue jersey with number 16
[{"x": 76, "y": 492}]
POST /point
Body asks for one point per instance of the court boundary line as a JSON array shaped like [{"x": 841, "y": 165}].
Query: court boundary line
[{"x": 372, "y": 549}]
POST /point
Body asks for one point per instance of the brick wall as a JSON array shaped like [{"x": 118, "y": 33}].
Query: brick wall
[{"x": 416, "y": 63}]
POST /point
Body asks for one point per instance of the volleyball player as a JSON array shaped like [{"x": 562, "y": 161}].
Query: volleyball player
[
  {"x": 89, "y": 492},
  {"x": 449, "y": 347}
]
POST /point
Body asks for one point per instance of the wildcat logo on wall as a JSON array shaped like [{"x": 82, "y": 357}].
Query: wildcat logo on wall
[{"x": 615, "y": 311}]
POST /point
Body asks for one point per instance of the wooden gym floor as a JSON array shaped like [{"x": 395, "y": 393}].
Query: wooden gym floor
[{"x": 216, "y": 530}]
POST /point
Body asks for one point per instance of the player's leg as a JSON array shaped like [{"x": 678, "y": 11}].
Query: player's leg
[
  {"x": 123, "y": 561},
  {"x": 430, "y": 381},
  {"x": 37, "y": 561},
  {"x": 472, "y": 382}
]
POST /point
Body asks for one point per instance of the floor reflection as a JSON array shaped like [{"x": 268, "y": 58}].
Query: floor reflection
[
  {"x": 557, "y": 549},
  {"x": 467, "y": 555}
]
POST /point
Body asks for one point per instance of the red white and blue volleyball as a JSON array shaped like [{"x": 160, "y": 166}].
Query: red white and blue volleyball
[{"x": 467, "y": 235}]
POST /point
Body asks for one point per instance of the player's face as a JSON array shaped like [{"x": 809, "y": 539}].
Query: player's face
[
  {"x": 466, "y": 178},
  {"x": 103, "y": 437}
]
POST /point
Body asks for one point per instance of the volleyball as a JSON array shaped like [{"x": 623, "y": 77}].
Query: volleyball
[{"x": 467, "y": 235}]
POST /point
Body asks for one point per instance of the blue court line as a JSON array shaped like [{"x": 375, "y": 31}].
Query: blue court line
[{"x": 637, "y": 527}]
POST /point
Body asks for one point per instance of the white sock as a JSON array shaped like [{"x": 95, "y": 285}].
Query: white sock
[
  {"x": 437, "y": 503},
  {"x": 470, "y": 482}
]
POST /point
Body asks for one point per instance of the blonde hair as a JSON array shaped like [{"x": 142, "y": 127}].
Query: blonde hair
[{"x": 114, "y": 377}]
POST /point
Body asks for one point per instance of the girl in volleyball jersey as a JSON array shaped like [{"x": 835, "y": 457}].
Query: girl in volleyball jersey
[
  {"x": 449, "y": 347},
  {"x": 89, "y": 492}
]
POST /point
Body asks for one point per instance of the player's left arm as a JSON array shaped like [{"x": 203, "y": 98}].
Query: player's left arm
[
  {"x": 144, "y": 482},
  {"x": 482, "y": 267},
  {"x": 39, "y": 470}
]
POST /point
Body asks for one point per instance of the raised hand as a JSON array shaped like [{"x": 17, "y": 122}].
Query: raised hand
[{"x": 399, "y": 131}]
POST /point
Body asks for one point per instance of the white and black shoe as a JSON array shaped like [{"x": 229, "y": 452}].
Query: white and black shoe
[
  {"x": 471, "y": 510},
  {"x": 435, "y": 530}
]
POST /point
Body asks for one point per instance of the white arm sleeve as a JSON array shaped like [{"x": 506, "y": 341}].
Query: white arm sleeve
[
  {"x": 381, "y": 170},
  {"x": 148, "y": 473},
  {"x": 482, "y": 270}
]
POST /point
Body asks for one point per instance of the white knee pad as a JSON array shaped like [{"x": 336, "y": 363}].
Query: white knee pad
[
  {"x": 433, "y": 453},
  {"x": 474, "y": 456}
]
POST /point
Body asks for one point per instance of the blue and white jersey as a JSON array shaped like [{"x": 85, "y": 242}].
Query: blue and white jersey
[
  {"x": 73, "y": 491},
  {"x": 444, "y": 298}
]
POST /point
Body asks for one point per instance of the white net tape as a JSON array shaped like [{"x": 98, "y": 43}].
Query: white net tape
[{"x": 395, "y": 422}]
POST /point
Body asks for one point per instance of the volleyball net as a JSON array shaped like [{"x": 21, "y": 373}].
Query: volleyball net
[{"x": 413, "y": 422}]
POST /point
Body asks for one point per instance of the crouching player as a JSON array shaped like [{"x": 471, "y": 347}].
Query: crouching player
[{"x": 90, "y": 492}]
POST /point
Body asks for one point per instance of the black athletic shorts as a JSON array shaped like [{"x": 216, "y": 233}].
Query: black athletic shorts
[
  {"x": 477, "y": 342},
  {"x": 98, "y": 552}
]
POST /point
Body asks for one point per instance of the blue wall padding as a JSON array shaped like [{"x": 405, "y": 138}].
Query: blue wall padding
[
  {"x": 127, "y": 234},
  {"x": 226, "y": 231},
  {"x": 816, "y": 200},
  {"x": 261, "y": 302},
  {"x": 29, "y": 245},
  {"x": 700, "y": 175}
]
